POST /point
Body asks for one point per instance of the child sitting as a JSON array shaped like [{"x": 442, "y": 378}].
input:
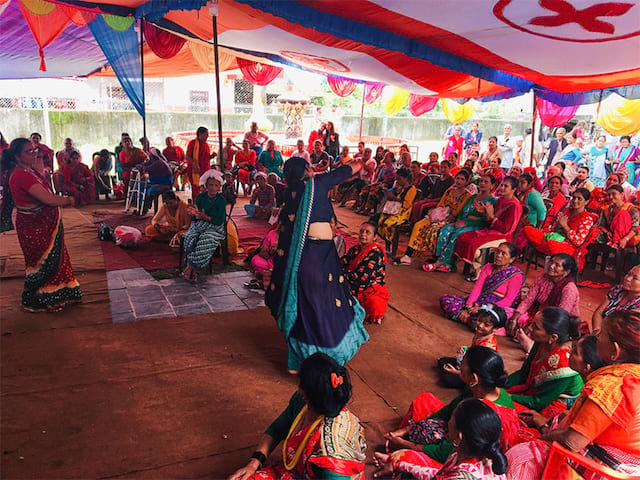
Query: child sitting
[{"x": 490, "y": 318}]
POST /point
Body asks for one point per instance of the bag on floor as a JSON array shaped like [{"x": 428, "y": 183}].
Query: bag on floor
[
  {"x": 105, "y": 232},
  {"x": 127, "y": 237}
]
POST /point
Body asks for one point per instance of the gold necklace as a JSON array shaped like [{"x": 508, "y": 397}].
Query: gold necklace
[{"x": 289, "y": 466}]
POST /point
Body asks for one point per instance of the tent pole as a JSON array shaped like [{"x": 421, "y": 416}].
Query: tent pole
[
  {"x": 216, "y": 61},
  {"x": 533, "y": 128},
  {"x": 144, "y": 104},
  {"x": 362, "y": 110}
]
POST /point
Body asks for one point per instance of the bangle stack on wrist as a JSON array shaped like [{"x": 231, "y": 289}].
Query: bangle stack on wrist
[{"x": 261, "y": 457}]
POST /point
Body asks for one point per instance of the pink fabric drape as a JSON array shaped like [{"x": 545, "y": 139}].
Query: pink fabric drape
[
  {"x": 164, "y": 44},
  {"x": 552, "y": 115},
  {"x": 421, "y": 104},
  {"x": 258, "y": 73},
  {"x": 343, "y": 87},
  {"x": 372, "y": 92}
]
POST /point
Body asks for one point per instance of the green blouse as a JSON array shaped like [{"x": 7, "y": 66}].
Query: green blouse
[
  {"x": 214, "y": 207},
  {"x": 469, "y": 210},
  {"x": 441, "y": 451}
]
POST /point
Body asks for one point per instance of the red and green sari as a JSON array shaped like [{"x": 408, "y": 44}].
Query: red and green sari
[
  {"x": 365, "y": 272},
  {"x": 49, "y": 282},
  {"x": 331, "y": 448}
]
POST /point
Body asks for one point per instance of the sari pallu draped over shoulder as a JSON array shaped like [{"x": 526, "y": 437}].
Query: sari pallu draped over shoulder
[
  {"x": 49, "y": 281},
  {"x": 290, "y": 313}
]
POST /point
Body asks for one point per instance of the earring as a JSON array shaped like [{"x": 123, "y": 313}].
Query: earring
[
  {"x": 456, "y": 444},
  {"x": 471, "y": 385}
]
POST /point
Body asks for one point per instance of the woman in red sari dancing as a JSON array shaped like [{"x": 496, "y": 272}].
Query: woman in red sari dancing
[
  {"x": 475, "y": 430},
  {"x": 49, "y": 284},
  {"x": 364, "y": 266},
  {"x": 321, "y": 438}
]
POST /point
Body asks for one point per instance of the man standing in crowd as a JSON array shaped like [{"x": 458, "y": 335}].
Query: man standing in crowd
[{"x": 506, "y": 143}]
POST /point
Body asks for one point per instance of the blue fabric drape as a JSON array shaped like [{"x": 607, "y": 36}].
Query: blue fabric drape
[{"x": 122, "y": 50}]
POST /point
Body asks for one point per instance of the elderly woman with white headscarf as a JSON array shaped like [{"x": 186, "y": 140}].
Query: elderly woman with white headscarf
[
  {"x": 207, "y": 229},
  {"x": 265, "y": 195}
]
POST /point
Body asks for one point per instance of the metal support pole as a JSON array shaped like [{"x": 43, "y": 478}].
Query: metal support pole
[
  {"x": 533, "y": 128},
  {"x": 216, "y": 63},
  {"x": 144, "y": 105},
  {"x": 362, "y": 110}
]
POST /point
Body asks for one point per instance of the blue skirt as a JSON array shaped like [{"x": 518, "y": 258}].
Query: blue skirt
[{"x": 329, "y": 318}]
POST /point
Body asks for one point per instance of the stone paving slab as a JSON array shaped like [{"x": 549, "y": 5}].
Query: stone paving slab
[{"x": 135, "y": 295}]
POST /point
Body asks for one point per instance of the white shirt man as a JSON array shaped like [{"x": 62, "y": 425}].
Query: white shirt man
[{"x": 505, "y": 144}]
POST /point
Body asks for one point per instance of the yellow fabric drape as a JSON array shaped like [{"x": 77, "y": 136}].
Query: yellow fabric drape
[
  {"x": 619, "y": 116},
  {"x": 455, "y": 112},
  {"x": 203, "y": 55},
  {"x": 38, "y": 7},
  {"x": 397, "y": 101}
]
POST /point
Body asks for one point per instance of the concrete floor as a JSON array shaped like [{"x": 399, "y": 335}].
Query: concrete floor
[{"x": 187, "y": 396}]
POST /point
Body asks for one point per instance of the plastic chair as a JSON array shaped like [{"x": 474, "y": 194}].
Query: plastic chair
[{"x": 557, "y": 461}]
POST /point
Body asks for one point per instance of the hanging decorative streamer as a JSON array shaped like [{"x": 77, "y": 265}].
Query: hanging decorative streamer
[
  {"x": 122, "y": 50},
  {"x": 203, "y": 56},
  {"x": 45, "y": 21},
  {"x": 119, "y": 24},
  {"x": 79, "y": 17},
  {"x": 3, "y": 4},
  {"x": 619, "y": 116},
  {"x": 372, "y": 91},
  {"x": 397, "y": 101},
  {"x": 258, "y": 73},
  {"x": 164, "y": 44},
  {"x": 343, "y": 87},
  {"x": 552, "y": 115},
  {"x": 455, "y": 112},
  {"x": 421, "y": 104}
]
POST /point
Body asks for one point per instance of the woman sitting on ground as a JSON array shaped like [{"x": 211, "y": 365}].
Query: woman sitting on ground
[
  {"x": 265, "y": 195},
  {"x": 545, "y": 382},
  {"x": 424, "y": 233},
  {"x": 489, "y": 318},
  {"x": 569, "y": 231},
  {"x": 79, "y": 184},
  {"x": 172, "y": 218},
  {"x": 499, "y": 283},
  {"x": 207, "y": 230},
  {"x": 262, "y": 259},
  {"x": 468, "y": 220},
  {"x": 364, "y": 266},
  {"x": 625, "y": 296},
  {"x": 554, "y": 288},
  {"x": 503, "y": 218},
  {"x": 397, "y": 208},
  {"x": 321, "y": 438},
  {"x": 424, "y": 427},
  {"x": 475, "y": 431},
  {"x": 606, "y": 415}
]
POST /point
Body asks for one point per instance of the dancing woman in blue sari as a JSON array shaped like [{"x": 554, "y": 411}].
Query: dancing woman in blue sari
[{"x": 308, "y": 295}]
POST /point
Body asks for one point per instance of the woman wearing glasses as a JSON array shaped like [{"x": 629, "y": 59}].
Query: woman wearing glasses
[{"x": 49, "y": 284}]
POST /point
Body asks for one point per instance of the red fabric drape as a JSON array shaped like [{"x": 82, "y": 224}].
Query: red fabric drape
[
  {"x": 79, "y": 17},
  {"x": 45, "y": 28},
  {"x": 552, "y": 115},
  {"x": 164, "y": 44},
  {"x": 343, "y": 87},
  {"x": 258, "y": 73},
  {"x": 421, "y": 104},
  {"x": 372, "y": 92}
]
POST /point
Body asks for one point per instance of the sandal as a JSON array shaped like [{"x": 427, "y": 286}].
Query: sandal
[
  {"x": 402, "y": 261},
  {"x": 444, "y": 269},
  {"x": 428, "y": 267},
  {"x": 471, "y": 278}
]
